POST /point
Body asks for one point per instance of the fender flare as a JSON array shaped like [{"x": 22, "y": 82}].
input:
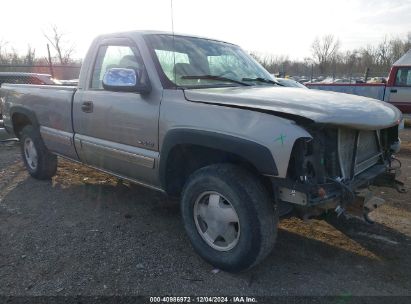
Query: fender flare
[
  {"x": 258, "y": 155},
  {"x": 27, "y": 112}
]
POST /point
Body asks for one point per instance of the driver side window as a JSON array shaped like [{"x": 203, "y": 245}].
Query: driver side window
[{"x": 116, "y": 56}]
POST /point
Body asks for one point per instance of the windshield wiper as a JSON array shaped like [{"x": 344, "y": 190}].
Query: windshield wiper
[
  {"x": 215, "y": 77},
  {"x": 265, "y": 80}
]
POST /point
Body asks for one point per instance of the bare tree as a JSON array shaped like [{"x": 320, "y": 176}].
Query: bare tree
[
  {"x": 368, "y": 56},
  {"x": 3, "y": 51},
  {"x": 273, "y": 64},
  {"x": 328, "y": 61},
  {"x": 383, "y": 52},
  {"x": 14, "y": 57},
  {"x": 325, "y": 50},
  {"x": 62, "y": 47},
  {"x": 30, "y": 55},
  {"x": 407, "y": 43},
  {"x": 397, "y": 49}
]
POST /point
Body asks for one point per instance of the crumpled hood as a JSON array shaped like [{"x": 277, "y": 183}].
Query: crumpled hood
[{"x": 320, "y": 106}]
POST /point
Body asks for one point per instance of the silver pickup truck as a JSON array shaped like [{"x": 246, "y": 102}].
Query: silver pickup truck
[{"x": 199, "y": 119}]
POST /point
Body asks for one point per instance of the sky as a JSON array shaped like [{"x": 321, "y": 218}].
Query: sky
[{"x": 285, "y": 27}]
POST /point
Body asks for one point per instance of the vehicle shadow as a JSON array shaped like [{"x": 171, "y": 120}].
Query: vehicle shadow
[
  {"x": 302, "y": 260},
  {"x": 384, "y": 241},
  {"x": 376, "y": 242}
]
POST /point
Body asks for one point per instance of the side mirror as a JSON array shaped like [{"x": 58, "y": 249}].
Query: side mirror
[{"x": 123, "y": 80}]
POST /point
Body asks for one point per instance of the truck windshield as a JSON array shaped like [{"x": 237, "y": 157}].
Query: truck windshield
[{"x": 190, "y": 62}]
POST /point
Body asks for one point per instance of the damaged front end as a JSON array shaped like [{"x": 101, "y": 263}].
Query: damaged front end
[{"x": 333, "y": 169}]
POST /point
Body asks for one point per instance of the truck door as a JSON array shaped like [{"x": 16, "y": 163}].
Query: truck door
[
  {"x": 400, "y": 92},
  {"x": 117, "y": 131}
]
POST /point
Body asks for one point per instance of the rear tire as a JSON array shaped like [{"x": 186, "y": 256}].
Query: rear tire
[
  {"x": 229, "y": 217},
  {"x": 39, "y": 162}
]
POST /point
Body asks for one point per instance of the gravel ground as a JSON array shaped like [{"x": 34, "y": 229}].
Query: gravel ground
[{"x": 85, "y": 233}]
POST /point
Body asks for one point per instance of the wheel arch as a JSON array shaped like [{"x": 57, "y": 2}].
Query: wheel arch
[
  {"x": 21, "y": 117},
  {"x": 194, "y": 149}
]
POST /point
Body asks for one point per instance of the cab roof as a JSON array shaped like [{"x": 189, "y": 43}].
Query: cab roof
[
  {"x": 404, "y": 60},
  {"x": 152, "y": 32}
]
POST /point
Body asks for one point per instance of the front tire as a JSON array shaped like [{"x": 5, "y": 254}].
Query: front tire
[
  {"x": 229, "y": 217},
  {"x": 39, "y": 162}
]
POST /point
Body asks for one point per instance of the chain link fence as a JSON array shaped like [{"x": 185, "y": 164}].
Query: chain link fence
[{"x": 57, "y": 71}]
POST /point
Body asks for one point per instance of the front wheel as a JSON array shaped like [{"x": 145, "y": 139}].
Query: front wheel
[
  {"x": 40, "y": 163},
  {"x": 229, "y": 217}
]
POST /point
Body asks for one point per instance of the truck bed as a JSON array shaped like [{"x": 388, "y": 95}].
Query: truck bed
[
  {"x": 52, "y": 104},
  {"x": 372, "y": 90},
  {"x": 378, "y": 91}
]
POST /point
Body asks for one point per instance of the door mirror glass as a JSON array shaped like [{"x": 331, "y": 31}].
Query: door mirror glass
[
  {"x": 120, "y": 79},
  {"x": 124, "y": 80}
]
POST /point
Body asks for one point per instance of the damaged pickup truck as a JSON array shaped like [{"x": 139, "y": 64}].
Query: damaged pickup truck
[{"x": 199, "y": 119}]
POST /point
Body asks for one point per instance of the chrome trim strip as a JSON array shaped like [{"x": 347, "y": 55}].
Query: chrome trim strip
[
  {"x": 56, "y": 136},
  {"x": 134, "y": 158}
]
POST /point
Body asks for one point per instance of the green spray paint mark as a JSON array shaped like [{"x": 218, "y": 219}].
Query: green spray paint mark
[
  {"x": 280, "y": 138},
  {"x": 344, "y": 298}
]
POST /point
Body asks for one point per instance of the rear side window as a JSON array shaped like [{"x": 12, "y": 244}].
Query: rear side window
[
  {"x": 116, "y": 56},
  {"x": 403, "y": 77}
]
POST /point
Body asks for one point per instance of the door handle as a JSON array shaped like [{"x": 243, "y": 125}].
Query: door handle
[
  {"x": 87, "y": 107},
  {"x": 393, "y": 90}
]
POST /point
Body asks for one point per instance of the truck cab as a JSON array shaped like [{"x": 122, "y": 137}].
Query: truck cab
[{"x": 398, "y": 90}]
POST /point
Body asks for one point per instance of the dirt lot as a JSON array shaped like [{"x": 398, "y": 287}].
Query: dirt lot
[{"x": 84, "y": 233}]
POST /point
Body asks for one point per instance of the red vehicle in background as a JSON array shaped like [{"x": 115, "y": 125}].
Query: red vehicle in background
[
  {"x": 25, "y": 78},
  {"x": 396, "y": 91}
]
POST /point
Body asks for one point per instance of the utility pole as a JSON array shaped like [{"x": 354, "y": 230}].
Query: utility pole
[
  {"x": 312, "y": 72},
  {"x": 367, "y": 72},
  {"x": 50, "y": 63}
]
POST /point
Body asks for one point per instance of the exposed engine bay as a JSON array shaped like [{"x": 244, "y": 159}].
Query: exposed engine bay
[{"x": 333, "y": 169}]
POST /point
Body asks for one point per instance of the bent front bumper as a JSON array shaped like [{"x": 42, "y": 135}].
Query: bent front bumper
[{"x": 331, "y": 193}]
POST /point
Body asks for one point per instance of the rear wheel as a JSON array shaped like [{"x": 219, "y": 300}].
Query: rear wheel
[
  {"x": 40, "y": 163},
  {"x": 229, "y": 217}
]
